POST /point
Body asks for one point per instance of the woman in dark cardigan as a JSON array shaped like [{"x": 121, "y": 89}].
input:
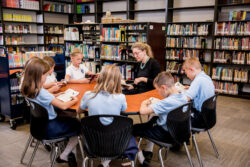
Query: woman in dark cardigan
[{"x": 146, "y": 71}]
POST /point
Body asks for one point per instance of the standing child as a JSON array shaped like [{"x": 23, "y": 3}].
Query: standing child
[
  {"x": 201, "y": 88},
  {"x": 35, "y": 74},
  {"x": 51, "y": 83},
  {"x": 76, "y": 72},
  {"x": 156, "y": 127},
  {"x": 107, "y": 98}
]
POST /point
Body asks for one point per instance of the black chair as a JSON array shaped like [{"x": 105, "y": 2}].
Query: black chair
[
  {"x": 106, "y": 142},
  {"x": 179, "y": 127},
  {"x": 208, "y": 114},
  {"x": 38, "y": 124}
]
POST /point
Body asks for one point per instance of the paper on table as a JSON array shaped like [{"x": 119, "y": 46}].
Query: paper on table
[
  {"x": 180, "y": 87},
  {"x": 67, "y": 95}
]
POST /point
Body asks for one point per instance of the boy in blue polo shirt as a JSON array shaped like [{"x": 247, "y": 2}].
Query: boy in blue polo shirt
[
  {"x": 156, "y": 127},
  {"x": 201, "y": 88}
]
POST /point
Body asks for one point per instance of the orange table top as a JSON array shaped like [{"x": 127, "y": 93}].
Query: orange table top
[{"x": 133, "y": 101}]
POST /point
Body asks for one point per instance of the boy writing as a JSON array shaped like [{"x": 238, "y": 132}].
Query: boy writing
[{"x": 156, "y": 128}]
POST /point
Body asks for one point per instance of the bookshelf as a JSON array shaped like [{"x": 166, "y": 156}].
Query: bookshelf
[
  {"x": 231, "y": 48},
  {"x": 117, "y": 39}
]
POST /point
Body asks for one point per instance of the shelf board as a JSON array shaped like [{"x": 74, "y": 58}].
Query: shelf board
[
  {"x": 148, "y": 10},
  {"x": 139, "y": 31},
  {"x": 115, "y": 12},
  {"x": 58, "y": 1},
  {"x": 196, "y": 22},
  {"x": 231, "y": 64},
  {"x": 192, "y": 7},
  {"x": 219, "y": 80},
  {"x": 59, "y": 24},
  {"x": 23, "y": 9},
  {"x": 23, "y": 22},
  {"x": 57, "y": 12},
  {"x": 207, "y": 49},
  {"x": 189, "y": 36},
  {"x": 236, "y": 36},
  {"x": 89, "y": 2},
  {"x": 233, "y": 21},
  {"x": 23, "y": 45},
  {"x": 86, "y": 14},
  {"x": 231, "y": 50},
  {"x": 15, "y": 68},
  {"x": 23, "y": 33},
  {"x": 73, "y": 41},
  {"x": 121, "y": 61},
  {"x": 53, "y": 34},
  {"x": 232, "y": 5}
]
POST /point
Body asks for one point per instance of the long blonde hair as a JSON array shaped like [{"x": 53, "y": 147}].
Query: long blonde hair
[
  {"x": 32, "y": 77},
  {"x": 143, "y": 46},
  {"x": 109, "y": 80}
]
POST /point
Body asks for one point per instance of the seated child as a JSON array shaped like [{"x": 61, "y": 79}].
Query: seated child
[
  {"x": 156, "y": 127},
  {"x": 107, "y": 98},
  {"x": 201, "y": 88},
  {"x": 51, "y": 83},
  {"x": 76, "y": 72},
  {"x": 35, "y": 74}
]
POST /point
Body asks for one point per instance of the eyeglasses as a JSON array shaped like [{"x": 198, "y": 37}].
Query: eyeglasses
[{"x": 136, "y": 53}]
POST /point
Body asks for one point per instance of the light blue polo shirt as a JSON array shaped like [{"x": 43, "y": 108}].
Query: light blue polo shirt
[
  {"x": 44, "y": 98},
  {"x": 201, "y": 88},
  {"x": 166, "y": 105},
  {"x": 103, "y": 103}
]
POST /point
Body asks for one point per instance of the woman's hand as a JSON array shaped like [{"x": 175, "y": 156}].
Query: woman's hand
[
  {"x": 130, "y": 87},
  {"x": 141, "y": 79}
]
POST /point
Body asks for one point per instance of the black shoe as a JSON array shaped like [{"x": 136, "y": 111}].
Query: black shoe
[
  {"x": 59, "y": 160},
  {"x": 147, "y": 154},
  {"x": 72, "y": 160},
  {"x": 100, "y": 165},
  {"x": 146, "y": 163},
  {"x": 175, "y": 148},
  {"x": 47, "y": 147}
]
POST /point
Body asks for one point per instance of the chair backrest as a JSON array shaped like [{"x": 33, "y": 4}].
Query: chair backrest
[
  {"x": 208, "y": 111},
  {"x": 106, "y": 141},
  {"x": 38, "y": 120},
  {"x": 179, "y": 123}
]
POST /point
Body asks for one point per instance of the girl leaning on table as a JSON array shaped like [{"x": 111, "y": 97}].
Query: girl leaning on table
[
  {"x": 35, "y": 73},
  {"x": 76, "y": 72},
  {"x": 107, "y": 98}
]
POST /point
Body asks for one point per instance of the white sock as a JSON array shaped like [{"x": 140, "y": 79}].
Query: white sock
[
  {"x": 149, "y": 146},
  {"x": 70, "y": 146},
  {"x": 140, "y": 157},
  {"x": 105, "y": 163}
]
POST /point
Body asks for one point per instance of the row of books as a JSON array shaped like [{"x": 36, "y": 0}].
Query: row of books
[
  {"x": 79, "y": 1},
  {"x": 229, "y": 74},
  {"x": 14, "y": 84},
  {"x": 54, "y": 40},
  {"x": 71, "y": 33},
  {"x": 53, "y": 29},
  {"x": 174, "y": 67},
  {"x": 71, "y": 46},
  {"x": 232, "y": 28},
  {"x": 55, "y": 49},
  {"x": 232, "y": 43},
  {"x": 234, "y": 16},
  {"x": 137, "y": 27},
  {"x": 113, "y": 34},
  {"x": 89, "y": 51},
  {"x": 231, "y": 57},
  {"x": 64, "y": 8},
  {"x": 226, "y": 88},
  {"x": 183, "y": 54},
  {"x": 187, "y": 42},
  {"x": 94, "y": 67},
  {"x": 91, "y": 27},
  {"x": 187, "y": 29},
  {"x": 114, "y": 52},
  {"x": 19, "y": 59},
  {"x": 137, "y": 38},
  {"x": 17, "y": 17},
  {"x": 25, "y": 4},
  {"x": 83, "y": 8},
  {"x": 25, "y": 28},
  {"x": 14, "y": 40},
  {"x": 1, "y": 39},
  {"x": 18, "y": 49},
  {"x": 233, "y": 1}
]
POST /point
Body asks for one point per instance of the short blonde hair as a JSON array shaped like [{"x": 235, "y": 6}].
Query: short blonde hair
[
  {"x": 109, "y": 80},
  {"x": 143, "y": 46},
  {"x": 164, "y": 78},
  {"x": 75, "y": 52},
  {"x": 192, "y": 62}
]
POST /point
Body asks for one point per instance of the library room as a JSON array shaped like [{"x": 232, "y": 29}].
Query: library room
[{"x": 120, "y": 83}]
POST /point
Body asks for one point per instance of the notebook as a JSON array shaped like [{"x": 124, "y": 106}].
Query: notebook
[
  {"x": 67, "y": 95},
  {"x": 180, "y": 87}
]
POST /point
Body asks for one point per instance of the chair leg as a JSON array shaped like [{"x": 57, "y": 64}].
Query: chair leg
[
  {"x": 84, "y": 161},
  {"x": 26, "y": 148},
  {"x": 33, "y": 154},
  {"x": 140, "y": 118},
  {"x": 160, "y": 157},
  {"x": 188, "y": 154},
  {"x": 54, "y": 157},
  {"x": 81, "y": 147},
  {"x": 212, "y": 141},
  {"x": 166, "y": 153},
  {"x": 197, "y": 150}
]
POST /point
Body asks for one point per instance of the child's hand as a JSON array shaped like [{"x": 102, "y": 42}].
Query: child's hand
[
  {"x": 55, "y": 88},
  {"x": 130, "y": 87},
  {"x": 74, "y": 98},
  {"x": 146, "y": 102},
  {"x": 85, "y": 80},
  {"x": 186, "y": 87}
]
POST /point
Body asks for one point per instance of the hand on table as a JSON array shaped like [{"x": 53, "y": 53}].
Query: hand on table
[{"x": 141, "y": 79}]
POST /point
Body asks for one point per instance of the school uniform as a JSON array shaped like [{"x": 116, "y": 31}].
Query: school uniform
[
  {"x": 51, "y": 78},
  {"x": 201, "y": 88},
  {"x": 108, "y": 104},
  {"x": 76, "y": 73},
  {"x": 57, "y": 126},
  {"x": 156, "y": 128}
]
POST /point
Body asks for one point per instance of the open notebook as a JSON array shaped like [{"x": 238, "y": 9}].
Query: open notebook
[
  {"x": 180, "y": 87},
  {"x": 67, "y": 95}
]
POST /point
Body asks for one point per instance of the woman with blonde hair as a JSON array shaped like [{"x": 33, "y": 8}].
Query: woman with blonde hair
[
  {"x": 107, "y": 99},
  {"x": 146, "y": 71}
]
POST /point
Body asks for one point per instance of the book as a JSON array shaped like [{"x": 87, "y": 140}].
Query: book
[
  {"x": 124, "y": 84},
  {"x": 179, "y": 87},
  {"x": 67, "y": 95}
]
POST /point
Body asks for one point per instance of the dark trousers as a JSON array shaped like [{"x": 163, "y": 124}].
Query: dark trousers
[{"x": 151, "y": 130}]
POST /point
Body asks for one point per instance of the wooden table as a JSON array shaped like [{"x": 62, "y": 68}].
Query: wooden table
[{"x": 133, "y": 101}]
